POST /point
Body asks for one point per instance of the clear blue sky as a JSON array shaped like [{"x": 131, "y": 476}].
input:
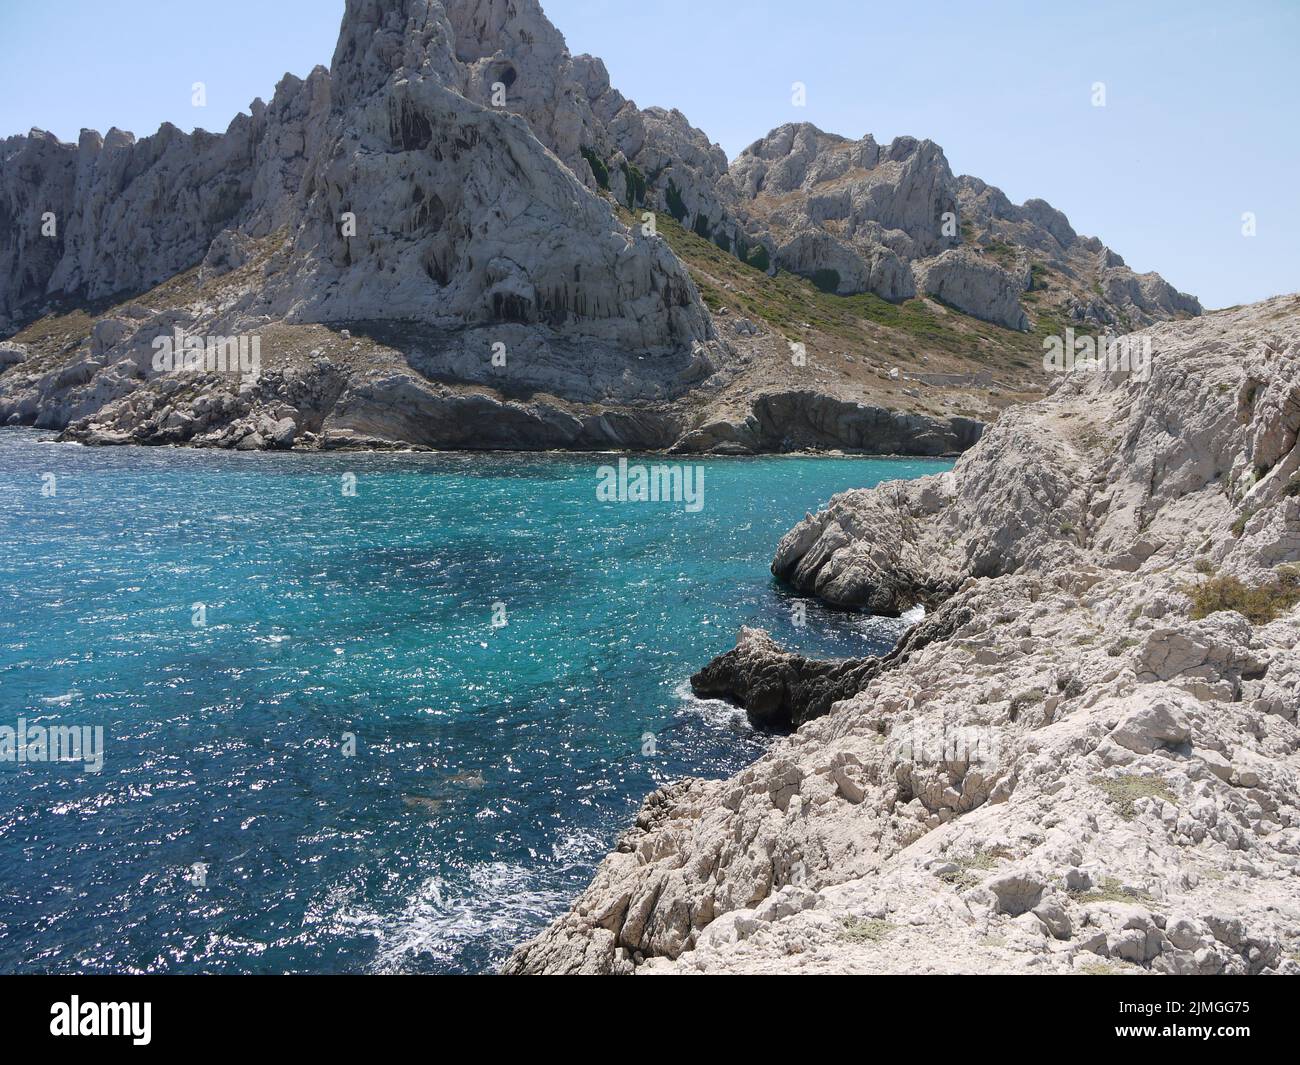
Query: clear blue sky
[{"x": 1201, "y": 122}]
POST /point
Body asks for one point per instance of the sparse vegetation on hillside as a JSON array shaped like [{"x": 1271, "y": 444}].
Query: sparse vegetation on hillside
[
  {"x": 1260, "y": 604},
  {"x": 858, "y": 930},
  {"x": 1125, "y": 790},
  {"x": 788, "y": 303},
  {"x": 636, "y": 185},
  {"x": 676, "y": 206},
  {"x": 598, "y": 167},
  {"x": 1111, "y": 890}
]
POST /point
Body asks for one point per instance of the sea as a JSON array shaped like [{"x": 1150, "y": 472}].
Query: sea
[{"x": 355, "y": 713}]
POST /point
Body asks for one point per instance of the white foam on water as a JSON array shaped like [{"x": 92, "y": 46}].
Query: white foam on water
[
  {"x": 716, "y": 712},
  {"x": 914, "y": 616},
  {"x": 501, "y": 901}
]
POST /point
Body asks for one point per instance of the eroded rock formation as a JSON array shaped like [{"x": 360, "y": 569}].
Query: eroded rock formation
[
  {"x": 454, "y": 193},
  {"x": 1091, "y": 764}
]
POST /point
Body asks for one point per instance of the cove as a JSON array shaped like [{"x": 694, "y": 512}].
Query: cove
[{"x": 375, "y": 772}]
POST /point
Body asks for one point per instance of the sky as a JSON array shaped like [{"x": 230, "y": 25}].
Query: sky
[{"x": 1200, "y": 124}]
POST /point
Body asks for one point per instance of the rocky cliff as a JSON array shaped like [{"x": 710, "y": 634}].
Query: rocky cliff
[
  {"x": 1087, "y": 757},
  {"x": 446, "y": 228},
  {"x": 857, "y": 216}
]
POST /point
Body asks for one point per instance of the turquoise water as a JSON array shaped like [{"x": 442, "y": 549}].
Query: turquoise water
[{"x": 234, "y": 827}]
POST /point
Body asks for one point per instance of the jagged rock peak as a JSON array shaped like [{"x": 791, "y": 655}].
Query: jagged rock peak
[
  {"x": 892, "y": 219},
  {"x": 476, "y": 161},
  {"x": 378, "y": 38}
]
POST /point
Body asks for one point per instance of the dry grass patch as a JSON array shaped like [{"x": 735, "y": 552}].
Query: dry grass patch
[
  {"x": 866, "y": 930},
  {"x": 966, "y": 874},
  {"x": 1260, "y": 604},
  {"x": 1125, "y": 790},
  {"x": 1111, "y": 890}
]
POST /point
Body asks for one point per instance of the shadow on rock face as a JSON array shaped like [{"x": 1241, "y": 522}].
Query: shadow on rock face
[{"x": 780, "y": 691}]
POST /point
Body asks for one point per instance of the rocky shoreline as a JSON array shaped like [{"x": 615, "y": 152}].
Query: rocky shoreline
[
  {"x": 289, "y": 412},
  {"x": 460, "y": 236},
  {"x": 1093, "y": 766}
]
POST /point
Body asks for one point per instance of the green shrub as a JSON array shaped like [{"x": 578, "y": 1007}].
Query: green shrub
[
  {"x": 676, "y": 206},
  {"x": 1260, "y": 604},
  {"x": 598, "y": 168},
  {"x": 1127, "y": 788},
  {"x": 1111, "y": 890},
  {"x": 759, "y": 259},
  {"x": 968, "y": 869},
  {"x": 827, "y": 281},
  {"x": 636, "y": 185},
  {"x": 858, "y": 930}
]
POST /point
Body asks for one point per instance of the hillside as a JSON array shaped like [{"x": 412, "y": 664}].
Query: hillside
[{"x": 439, "y": 241}]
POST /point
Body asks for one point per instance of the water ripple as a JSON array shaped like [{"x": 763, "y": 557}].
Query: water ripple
[{"x": 347, "y": 767}]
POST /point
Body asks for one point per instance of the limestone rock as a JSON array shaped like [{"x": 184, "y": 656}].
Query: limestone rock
[
  {"x": 1060, "y": 763},
  {"x": 973, "y": 285},
  {"x": 778, "y": 690},
  {"x": 444, "y": 188},
  {"x": 12, "y": 355}
]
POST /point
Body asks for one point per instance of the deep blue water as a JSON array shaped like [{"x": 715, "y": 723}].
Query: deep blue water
[{"x": 493, "y": 766}]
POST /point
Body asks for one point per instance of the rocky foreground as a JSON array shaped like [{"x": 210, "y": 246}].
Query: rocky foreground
[{"x": 1086, "y": 759}]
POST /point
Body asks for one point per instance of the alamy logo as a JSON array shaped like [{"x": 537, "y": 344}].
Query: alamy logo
[
  {"x": 134, "y": 1019},
  {"x": 1108, "y": 354},
  {"x": 651, "y": 484},
  {"x": 57, "y": 743},
  {"x": 941, "y": 745},
  {"x": 180, "y": 352}
]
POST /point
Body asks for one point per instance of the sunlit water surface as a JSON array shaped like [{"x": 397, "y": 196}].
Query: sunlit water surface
[{"x": 229, "y": 830}]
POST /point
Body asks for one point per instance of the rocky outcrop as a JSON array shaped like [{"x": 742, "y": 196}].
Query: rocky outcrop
[
  {"x": 864, "y": 552},
  {"x": 778, "y": 690},
  {"x": 971, "y": 284},
  {"x": 1089, "y": 282},
  {"x": 892, "y": 219},
  {"x": 393, "y": 191},
  {"x": 456, "y": 186},
  {"x": 810, "y": 421},
  {"x": 1091, "y": 764},
  {"x": 851, "y": 214},
  {"x": 403, "y": 197},
  {"x": 781, "y": 692},
  {"x": 12, "y": 355}
]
